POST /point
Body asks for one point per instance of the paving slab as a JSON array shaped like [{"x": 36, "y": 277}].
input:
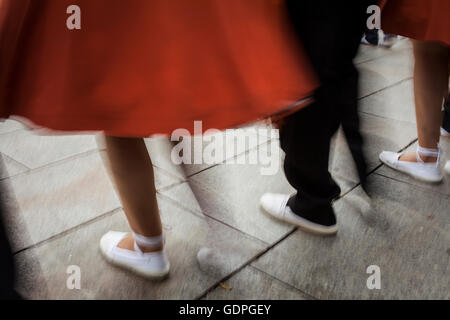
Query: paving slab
[
  {"x": 384, "y": 72},
  {"x": 397, "y": 234},
  {"x": 230, "y": 193},
  {"x": 219, "y": 191},
  {"x": 443, "y": 187},
  {"x": 379, "y": 134},
  {"x": 56, "y": 198},
  {"x": 253, "y": 284},
  {"x": 34, "y": 150},
  {"x": 10, "y": 167},
  {"x": 42, "y": 269},
  {"x": 396, "y": 103}
]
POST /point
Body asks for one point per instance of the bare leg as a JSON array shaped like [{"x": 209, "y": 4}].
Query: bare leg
[
  {"x": 131, "y": 169},
  {"x": 430, "y": 84}
]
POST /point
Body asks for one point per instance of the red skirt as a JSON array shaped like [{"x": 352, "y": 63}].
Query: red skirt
[
  {"x": 418, "y": 19},
  {"x": 139, "y": 67}
]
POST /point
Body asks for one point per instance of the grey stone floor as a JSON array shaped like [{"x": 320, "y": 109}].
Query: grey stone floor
[{"x": 62, "y": 201}]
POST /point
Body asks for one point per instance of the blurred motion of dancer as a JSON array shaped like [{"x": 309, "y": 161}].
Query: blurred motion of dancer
[
  {"x": 427, "y": 23},
  {"x": 330, "y": 32},
  {"x": 135, "y": 68}
]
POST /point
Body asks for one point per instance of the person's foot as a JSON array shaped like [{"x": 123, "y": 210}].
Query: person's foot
[
  {"x": 120, "y": 249},
  {"x": 277, "y": 206},
  {"x": 422, "y": 165}
]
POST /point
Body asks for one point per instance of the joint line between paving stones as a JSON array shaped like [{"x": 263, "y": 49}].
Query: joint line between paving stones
[
  {"x": 70, "y": 230},
  {"x": 57, "y": 162},
  {"x": 182, "y": 180},
  {"x": 251, "y": 260},
  {"x": 373, "y": 171},
  {"x": 386, "y": 118},
  {"x": 224, "y": 162},
  {"x": 417, "y": 186},
  {"x": 198, "y": 215},
  {"x": 26, "y": 169},
  {"x": 14, "y": 160},
  {"x": 388, "y": 87},
  {"x": 285, "y": 283},
  {"x": 435, "y": 227}
]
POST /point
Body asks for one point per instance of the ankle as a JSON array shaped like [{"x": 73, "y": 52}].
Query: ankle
[
  {"x": 427, "y": 155},
  {"x": 148, "y": 244}
]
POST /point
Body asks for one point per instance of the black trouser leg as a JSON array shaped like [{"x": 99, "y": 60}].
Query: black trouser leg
[
  {"x": 307, "y": 148},
  {"x": 306, "y": 165}
]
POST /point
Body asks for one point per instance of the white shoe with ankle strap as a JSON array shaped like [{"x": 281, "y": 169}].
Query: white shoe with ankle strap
[
  {"x": 146, "y": 264},
  {"x": 420, "y": 170}
]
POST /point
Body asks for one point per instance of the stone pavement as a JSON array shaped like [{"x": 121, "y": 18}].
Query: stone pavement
[{"x": 62, "y": 201}]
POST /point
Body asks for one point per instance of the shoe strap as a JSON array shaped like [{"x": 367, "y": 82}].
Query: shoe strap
[
  {"x": 428, "y": 153},
  {"x": 148, "y": 242}
]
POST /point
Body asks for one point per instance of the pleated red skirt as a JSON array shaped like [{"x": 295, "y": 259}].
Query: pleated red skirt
[
  {"x": 418, "y": 19},
  {"x": 139, "y": 67}
]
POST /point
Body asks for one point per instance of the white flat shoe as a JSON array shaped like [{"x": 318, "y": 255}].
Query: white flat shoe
[
  {"x": 276, "y": 205},
  {"x": 153, "y": 265},
  {"x": 423, "y": 171}
]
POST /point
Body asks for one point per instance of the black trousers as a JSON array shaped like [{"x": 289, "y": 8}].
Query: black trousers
[{"x": 330, "y": 32}]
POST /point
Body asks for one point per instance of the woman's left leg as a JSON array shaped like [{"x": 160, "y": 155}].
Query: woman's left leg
[
  {"x": 430, "y": 85},
  {"x": 142, "y": 250}
]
